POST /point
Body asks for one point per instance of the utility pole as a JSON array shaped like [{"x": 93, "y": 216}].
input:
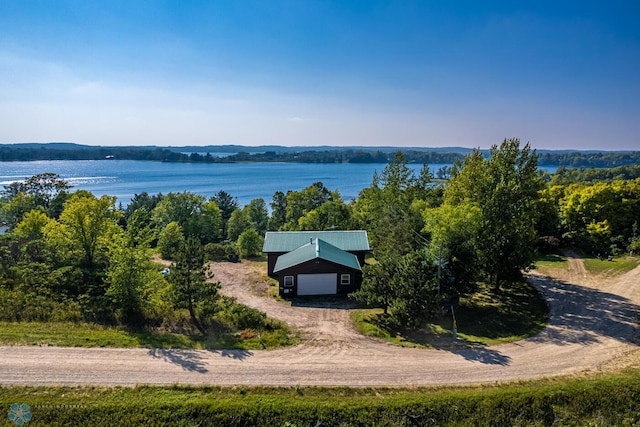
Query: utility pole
[
  {"x": 455, "y": 326},
  {"x": 439, "y": 268}
]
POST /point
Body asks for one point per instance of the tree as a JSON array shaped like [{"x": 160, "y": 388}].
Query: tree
[
  {"x": 385, "y": 208},
  {"x": 14, "y": 209},
  {"x": 227, "y": 204},
  {"x": 142, "y": 200},
  {"x": 129, "y": 271},
  {"x": 238, "y": 223},
  {"x": 43, "y": 187},
  {"x": 278, "y": 211},
  {"x": 32, "y": 225},
  {"x": 258, "y": 215},
  {"x": 377, "y": 287},
  {"x": 195, "y": 217},
  {"x": 505, "y": 189},
  {"x": 89, "y": 223},
  {"x": 193, "y": 288},
  {"x": 250, "y": 243},
  {"x": 299, "y": 203},
  {"x": 416, "y": 297},
  {"x": 600, "y": 217},
  {"x": 406, "y": 287},
  {"x": 328, "y": 216},
  {"x": 452, "y": 232},
  {"x": 170, "y": 240}
]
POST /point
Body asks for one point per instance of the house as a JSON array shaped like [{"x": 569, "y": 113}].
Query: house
[{"x": 316, "y": 262}]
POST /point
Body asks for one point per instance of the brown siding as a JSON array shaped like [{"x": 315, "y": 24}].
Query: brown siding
[{"x": 317, "y": 267}]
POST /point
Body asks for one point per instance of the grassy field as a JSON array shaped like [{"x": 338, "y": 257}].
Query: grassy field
[
  {"x": 68, "y": 334},
  {"x": 551, "y": 261},
  {"x": 618, "y": 265},
  {"x": 597, "y": 401},
  {"x": 485, "y": 318}
]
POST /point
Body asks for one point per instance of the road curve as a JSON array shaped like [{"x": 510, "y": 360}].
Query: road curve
[{"x": 593, "y": 322}]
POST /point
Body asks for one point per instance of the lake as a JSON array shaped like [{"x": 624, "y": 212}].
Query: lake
[{"x": 245, "y": 181}]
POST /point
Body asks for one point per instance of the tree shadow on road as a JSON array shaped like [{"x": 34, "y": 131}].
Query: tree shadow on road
[
  {"x": 584, "y": 315},
  {"x": 233, "y": 354},
  {"x": 188, "y": 360},
  {"x": 194, "y": 360},
  {"x": 484, "y": 355}
]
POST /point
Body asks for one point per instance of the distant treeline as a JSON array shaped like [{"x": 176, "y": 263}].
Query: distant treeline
[
  {"x": 30, "y": 152},
  {"x": 565, "y": 176},
  {"x": 589, "y": 159},
  {"x": 9, "y": 153}
]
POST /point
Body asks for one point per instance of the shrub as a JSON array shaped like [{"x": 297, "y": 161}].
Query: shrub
[{"x": 220, "y": 251}]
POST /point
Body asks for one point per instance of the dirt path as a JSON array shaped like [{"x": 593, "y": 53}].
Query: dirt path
[{"x": 593, "y": 326}]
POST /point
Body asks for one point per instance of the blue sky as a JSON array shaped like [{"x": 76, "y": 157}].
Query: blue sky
[{"x": 562, "y": 74}]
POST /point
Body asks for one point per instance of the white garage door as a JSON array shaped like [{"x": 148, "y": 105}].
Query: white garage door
[{"x": 317, "y": 284}]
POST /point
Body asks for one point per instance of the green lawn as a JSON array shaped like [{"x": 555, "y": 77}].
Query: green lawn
[
  {"x": 485, "y": 318},
  {"x": 618, "y": 265},
  {"x": 551, "y": 261},
  {"x": 67, "y": 334}
]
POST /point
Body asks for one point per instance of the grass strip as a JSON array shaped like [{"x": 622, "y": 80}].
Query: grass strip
[
  {"x": 68, "y": 334},
  {"x": 604, "y": 400},
  {"x": 617, "y": 265}
]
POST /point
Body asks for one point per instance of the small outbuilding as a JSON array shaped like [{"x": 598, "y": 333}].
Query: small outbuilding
[{"x": 316, "y": 262}]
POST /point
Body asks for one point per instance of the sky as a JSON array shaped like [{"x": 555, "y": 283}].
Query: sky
[{"x": 558, "y": 74}]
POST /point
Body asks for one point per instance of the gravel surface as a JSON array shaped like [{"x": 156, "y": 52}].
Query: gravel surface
[{"x": 593, "y": 326}]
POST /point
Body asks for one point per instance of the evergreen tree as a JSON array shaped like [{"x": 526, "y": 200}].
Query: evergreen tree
[{"x": 193, "y": 288}]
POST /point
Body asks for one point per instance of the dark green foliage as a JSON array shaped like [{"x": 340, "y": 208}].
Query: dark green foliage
[
  {"x": 278, "y": 211},
  {"x": 227, "y": 204},
  {"x": 221, "y": 251},
  {"x": 237, "y": 317},
  {"x": 195, "y": 217},
  {"x": 193, "y": 288},
  {"x": 142, "y": 200},
  {"x": 300, "y": 203},
  {"x": 405, "y": 286}
]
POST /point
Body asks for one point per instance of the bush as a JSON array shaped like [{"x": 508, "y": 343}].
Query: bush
[
  {"x": 250, "y": 243},
  {"x": 236, "y": 317},
  {"x": 16, "y": 306},
  {"x": 548, "y": 244},
  {"x": 220, "y": 251}
]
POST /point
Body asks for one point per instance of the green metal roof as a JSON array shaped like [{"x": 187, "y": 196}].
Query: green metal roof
[
  {"x": 316, "y": 249},
  {"x": 286, "y": 241}
]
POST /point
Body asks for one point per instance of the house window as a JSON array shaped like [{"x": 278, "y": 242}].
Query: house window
[
  {"x": 345, "y": 279},
  {"x": 288, "y": 281}
]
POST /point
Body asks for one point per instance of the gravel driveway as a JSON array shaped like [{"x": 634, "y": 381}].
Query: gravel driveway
[{"x": 593, "y": 326}]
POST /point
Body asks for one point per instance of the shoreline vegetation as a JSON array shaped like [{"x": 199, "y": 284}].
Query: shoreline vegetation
[{"x": 324, "y": 154}]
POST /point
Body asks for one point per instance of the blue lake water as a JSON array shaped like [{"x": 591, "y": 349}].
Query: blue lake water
[{"x": 245, "y": 181}]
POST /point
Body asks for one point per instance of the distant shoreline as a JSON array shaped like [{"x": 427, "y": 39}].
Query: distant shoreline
[{"x": 266, "y": 154}]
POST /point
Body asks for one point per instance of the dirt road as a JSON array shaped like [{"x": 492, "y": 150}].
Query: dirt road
[{"x": 593, "y": 325}]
